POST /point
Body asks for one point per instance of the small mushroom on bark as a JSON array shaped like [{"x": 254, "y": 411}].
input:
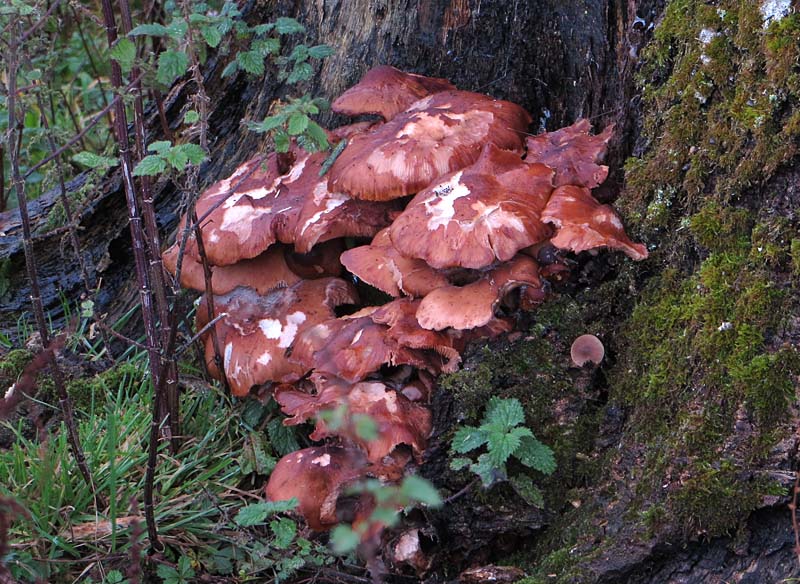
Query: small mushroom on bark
[
  {"x": 585, "y": 224},
  {"x": 484, "y": 213},
  {"x": 437, "y": 135},
  {"x": 573, "y": 153},
  {"x": 587, "y": 349},
  {"x": 386, "y": 91}
]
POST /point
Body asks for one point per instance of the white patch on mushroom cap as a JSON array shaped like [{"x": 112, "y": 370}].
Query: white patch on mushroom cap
[
  {"x": 440, "y": 206},
  {"x": 239, "y": 220},
  {"x": 228, "y": 352},
  {"x": 323, "y": 460},
  {"x": 273, "y": 329},
  {"x": 332, "y": 201},
  {"x": 357, "y": 337},
  {"x": 264, "y": 359}
]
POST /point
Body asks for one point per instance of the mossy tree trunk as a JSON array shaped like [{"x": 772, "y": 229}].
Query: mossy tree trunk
[{"x": 675, "y": 456}]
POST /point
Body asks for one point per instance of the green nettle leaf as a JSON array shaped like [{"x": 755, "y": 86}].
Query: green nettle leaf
[
  {"x": 501, "y": 445},
  {"x": 487, "y": 470},
  {"x": 284, "y": 530},
  {"x": 270, "y": 123},
  {"x": 251, "y": 62},
  {"x": 149, "y": 30},
  {"x": 282, "y": 142},
  {"x": 301, "y": 72},
  {"x": 176, "y": 158},
  {"x": 320, "y": 51},
  {"x": 95, "y": 161},
  {"x": 316, "y": 134},
  {"x": 191, "y": 117},
  {"x": 266, "y": 47},
  {"x": 505, "y": 412},
  {"x": 211, "y": 35},
  {"x": 297, "y": 124},
  {"x": 159, "y": 146},
  {"x": 193, "y": 153},
  {"x": 177, "y": 29},
  {"x": 299, "y": 53},
  {"x": 257, "y": 513},
  {"x": 171, "y": 64},
  {"x": 168, "y": 574},
  {"x": 468, "y": 438},
  {"x": 460, "y": 463},
  {"x": 535, "y": 455},
  {"x": 418, "y": 489},
  {"x": 150, "y": 166},
  {"x": 285, "y": 25},
  {"x": 525, "y": 488},
  {"x": 282, "y": 438},
  {"x": 343, "y": 539},
  {"x": 263, "y": 28},
  {"x": 230, "y": 68},
  {"x": 124, "y": 53}
]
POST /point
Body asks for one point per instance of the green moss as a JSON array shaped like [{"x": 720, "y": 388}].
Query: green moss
[
  {"x": 13, "y": 362},
  {"x": 795, "y": 253},
  {"x": 85, "y": 392}
]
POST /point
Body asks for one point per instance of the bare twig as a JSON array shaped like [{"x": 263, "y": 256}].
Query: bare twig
[
  {"x": 793, "y": 511},
  {"x": 14, "y": 139}
]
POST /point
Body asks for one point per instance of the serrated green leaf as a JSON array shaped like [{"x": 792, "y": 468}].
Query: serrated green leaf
[
  {"x": 299, "y": 53},
  {"x": 95, "y": 161},
  {"x": 149, "y": 29},
  {"x": 191, "y": 117},
  {"x": 460, "y": 463},
  {"x": 501, "y": 445},
  {"x": 171, "y": 64},
  {"x": 176, "y": 158},
  {"x": 159, "y": 146},
  {"x": 260, "y": 29},
  {"x": 177, "y": 29},
  {"x": 251, "y": 62},
  {"x": 282, "y": 142},
  {"x": 284, "y": 530},
  {"x": 468, "y": 438},
  {"x": 488, "y": 471},
  {"x": 535, "y": 455},
  {"x": 419, "y": 490},
  {"x": 257, "y": 513},
  {"x": 167, "y": 573},
  {"x": 124, "y": 53},
  {"x": 150, "y": 166},
  {"x": 317, "y": 135},
  {"x": 505, "y": 412},
  {"x": 301, "y": 72},
  {"x": 285, "y": 25},
  {"x": 268, "y": 124},
  {"x": 193, "y": 152},
  {"x": 525, "y": 488},
  {"x": 281, "y": 438},
  {"x": 230, "y": 68},
  {"x": 297, "y": 124},
  {"x": 320, "y": 51},
  {"x": 211, "y": 35},
  {"x": 343, "y": 539},
  {"x": 266, "y": 47}
]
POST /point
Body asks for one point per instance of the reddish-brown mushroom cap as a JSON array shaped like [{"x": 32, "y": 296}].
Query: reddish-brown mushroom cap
[
  {"x": 473, "y": 305},
  {"x": 476, "y": 216},
  {"x": 572, "y": 153},
  {"x": 382, "y": 266},
  {"x": 277, "y": 267},
  {"x": 386, "y": 91},
  {"x": 316, "y": 477},
  {"x": 257, "y": 330},
  {"x": 437, "y": 135},
  {"x": 585, "y": 224},
  {"x": 398, "y": 420},
  {"x": 587, "y": 349}
]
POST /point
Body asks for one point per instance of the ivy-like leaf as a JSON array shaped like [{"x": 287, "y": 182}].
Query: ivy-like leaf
[
  {"x": 150, "y": 166},
  {"x": 535, "y": 455},
  {"x": 171, "y": 64},
  {"x": 251, "y": 62},
  {"x": 285, "y": 25},
  {"x": 284, "y": 530},
  {"x": 505, "y": 412},
  {"x": 124, "y": 53},
  {"x": 468, "y": 438}
]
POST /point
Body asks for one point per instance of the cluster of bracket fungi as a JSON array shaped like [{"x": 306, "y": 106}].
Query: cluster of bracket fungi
[{"x": 492, "y": 209}]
